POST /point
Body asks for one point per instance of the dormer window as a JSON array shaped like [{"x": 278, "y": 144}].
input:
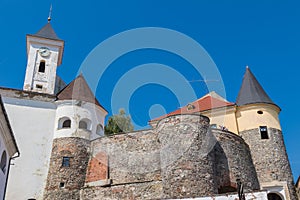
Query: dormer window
[
  {"x": 42, "y": 66},
  {"x": 190, "y": 107}
]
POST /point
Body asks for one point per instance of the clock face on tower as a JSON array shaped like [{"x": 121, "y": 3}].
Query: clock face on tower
[{"x": 44, "y": 51}]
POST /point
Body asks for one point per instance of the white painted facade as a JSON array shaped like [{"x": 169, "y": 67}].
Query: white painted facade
[
  {"x": 8, "y": 149},
  {"x": 77, "y": 112},
  {"x": 32, "y": 122}
]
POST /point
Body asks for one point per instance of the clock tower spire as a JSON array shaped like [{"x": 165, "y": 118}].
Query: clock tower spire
[{"x": 44, "y": 55}]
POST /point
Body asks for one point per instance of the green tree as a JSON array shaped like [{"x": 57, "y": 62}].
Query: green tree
[{"x": 120, "y": 123}]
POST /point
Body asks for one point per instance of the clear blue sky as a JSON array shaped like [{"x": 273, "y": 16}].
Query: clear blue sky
[{"x": 262, "y": 34}]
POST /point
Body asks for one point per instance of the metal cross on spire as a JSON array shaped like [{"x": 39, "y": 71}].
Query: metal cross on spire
[{"x": 50, "y": 13}]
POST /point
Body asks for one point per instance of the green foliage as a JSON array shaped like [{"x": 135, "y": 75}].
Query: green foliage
[{"x": 120, "y": 123}]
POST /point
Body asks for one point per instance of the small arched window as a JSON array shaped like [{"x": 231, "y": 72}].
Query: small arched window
[
  {"x": 274, "y": 196},
  {"x": 64, "y": 122},
  {"x": 85, "y": 124},
  {"x": 82, "y": 125},
  {"x": 42, "y": 66},
  {"x": 3, "y": 162},
  {"x": 99, "y": 130}
]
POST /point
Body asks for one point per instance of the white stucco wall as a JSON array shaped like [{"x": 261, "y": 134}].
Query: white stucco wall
[
  {"x": 32, "y": 123},
  {"x": 77, "y": 111}
]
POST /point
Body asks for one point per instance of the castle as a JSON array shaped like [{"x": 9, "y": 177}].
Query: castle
[{"x": 199, "y": 151}]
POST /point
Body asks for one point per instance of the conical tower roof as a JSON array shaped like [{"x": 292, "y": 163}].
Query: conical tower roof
[
  {"x": 47, "y": 32},
  {"x": 78, "y": 89},
  {"x": 251, "y": 91}
]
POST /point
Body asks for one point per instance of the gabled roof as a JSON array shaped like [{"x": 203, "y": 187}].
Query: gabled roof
[
  {"x": 47, "y": 32},
  {"x": 251, "y": 91},
  {"x": 78, "y": 89},
  {"x": 208, "y": 102}
]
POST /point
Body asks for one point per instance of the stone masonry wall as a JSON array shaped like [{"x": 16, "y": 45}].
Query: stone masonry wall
[
  {"x": 133, "y": 167},
  {"x": 65, "y": 182},
  {"x": 186, "y": 162},
  {"x": 151, "y": 190},
  {"x": 233, "y": 161},
  {"x": 270, "y": 157}
]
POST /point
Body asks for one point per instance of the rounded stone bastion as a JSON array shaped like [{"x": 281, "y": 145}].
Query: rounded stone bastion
[
  {"x": 67, "y": 171},
  {"x": 187, "y": 162},
  {"x": 199, "y": 161},
  {"x": 232, "y": 162}
]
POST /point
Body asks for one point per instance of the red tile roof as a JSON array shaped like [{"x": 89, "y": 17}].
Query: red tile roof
[{"x": 207, "y": 102}]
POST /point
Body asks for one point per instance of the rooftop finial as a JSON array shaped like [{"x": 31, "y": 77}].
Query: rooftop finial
[{"x": 50, "y": 12}]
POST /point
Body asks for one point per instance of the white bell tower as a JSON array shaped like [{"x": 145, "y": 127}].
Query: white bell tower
[{"x": 44, "y": 55}]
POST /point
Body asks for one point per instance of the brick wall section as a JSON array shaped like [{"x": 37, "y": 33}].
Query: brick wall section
[
  {"x": 233, "y": 161},
  {"x": 97, "y": 168},
  {"x": 186, "y": 165},
  {"x": 73, "y": 177},
  {"x": 270, "y": 158}
]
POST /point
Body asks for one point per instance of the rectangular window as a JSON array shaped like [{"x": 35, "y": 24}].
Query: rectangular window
[
  {"x": 62, "y": 185},
  {"x": 264, "y": 132},
  {"x": 42, "y": 66},
  {"x": 66, "y": 162},
  {"x": 39, "y": 86}
]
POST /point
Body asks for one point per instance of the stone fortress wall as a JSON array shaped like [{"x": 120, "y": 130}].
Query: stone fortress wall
[{"x": 181, "y": 158}]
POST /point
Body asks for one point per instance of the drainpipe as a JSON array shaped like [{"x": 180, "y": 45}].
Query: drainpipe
[{"x": 8, "y": 169}]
